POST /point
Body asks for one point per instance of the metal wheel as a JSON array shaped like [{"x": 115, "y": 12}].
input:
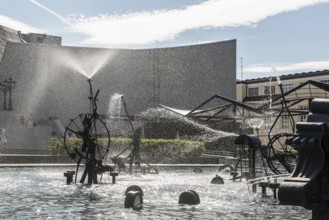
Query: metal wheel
[
  {"x": 83, "y": 133},
  {"x": 280, "y": 156}
]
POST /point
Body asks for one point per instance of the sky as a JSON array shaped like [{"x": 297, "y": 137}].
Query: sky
[{"x": 274, "y": 37}]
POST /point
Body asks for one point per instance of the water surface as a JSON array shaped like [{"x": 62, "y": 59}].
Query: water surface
[{"x": 41, "y": 193}]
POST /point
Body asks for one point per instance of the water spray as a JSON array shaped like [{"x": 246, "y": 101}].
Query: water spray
[{"x": 134, "y": 155}]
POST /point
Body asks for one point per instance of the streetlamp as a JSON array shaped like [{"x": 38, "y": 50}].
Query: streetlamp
[
  {"x": 11, "y": 85},
  {"x": 8, "y": 85}
]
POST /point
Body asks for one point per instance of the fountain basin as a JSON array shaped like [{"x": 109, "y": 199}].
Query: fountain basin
[{"x": 42, "y": 193}]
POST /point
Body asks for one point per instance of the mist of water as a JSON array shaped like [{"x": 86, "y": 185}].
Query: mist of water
[
  {"x": 254, "y": 123},
  {"x": 85, "y": 65},
  {"x": 205, "y": 133},
  {"x": 53, "y": 61},
  {"x": 37, "y": 85},
  {"x": 3, "y": 139}
]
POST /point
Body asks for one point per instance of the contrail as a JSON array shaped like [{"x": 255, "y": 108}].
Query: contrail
[{"x": 51, "y": 12}]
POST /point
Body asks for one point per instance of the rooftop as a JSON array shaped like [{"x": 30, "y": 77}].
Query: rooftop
[{"x": 286, "y": 77}]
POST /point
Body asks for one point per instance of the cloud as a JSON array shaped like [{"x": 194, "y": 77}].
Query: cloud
[
  {"x": 292, "y": 67},
  {"x": 149, "y": 27},
  {"x": 17, "y": 25}
]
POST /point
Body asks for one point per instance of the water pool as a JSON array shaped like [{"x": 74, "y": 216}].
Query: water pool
[{"x": 41, "y": 193}]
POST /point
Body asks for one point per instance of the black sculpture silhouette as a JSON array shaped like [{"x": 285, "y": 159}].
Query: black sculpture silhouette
[
  {"x": 308, "y": 185},
  {"x": 92, "y": 151}
]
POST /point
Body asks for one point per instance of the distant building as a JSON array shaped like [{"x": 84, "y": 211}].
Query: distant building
[
  {"x": 258, "y": 92},
  {"x": 8, "y": 35},
  {"x": 40, "y": 38}
]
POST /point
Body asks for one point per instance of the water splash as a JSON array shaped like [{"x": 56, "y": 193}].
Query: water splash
[
  {"x": 254, "y": 123},
  {"x": 3, "y": 139},
  {"x": 204, "y": 132},
  {"x": 115, "y": 106},
  {"x": 116, "y": 120}
]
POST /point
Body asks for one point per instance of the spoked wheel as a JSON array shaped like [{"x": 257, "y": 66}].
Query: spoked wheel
[
  {"x": 280, "y": 156},
  {"x": 79, "y": 134},
  {"x": 87, "y": 140}
]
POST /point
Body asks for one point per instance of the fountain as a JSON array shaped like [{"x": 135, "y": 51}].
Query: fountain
[
  {"x": 41, "y": 192},
  {"x": 90, "y": 129},
  {"x": 161, "y": 193}
]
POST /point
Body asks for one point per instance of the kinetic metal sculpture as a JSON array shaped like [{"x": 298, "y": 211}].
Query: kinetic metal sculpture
[
  {"x": 134, "y": 148},
  {"x": 92, "y": 141},
  {"x": 308, "y": 185}
]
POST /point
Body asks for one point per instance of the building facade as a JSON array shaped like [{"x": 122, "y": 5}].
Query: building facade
[
  {"x": 35, "y": 38},
  {"x": 263, "y": 91}
]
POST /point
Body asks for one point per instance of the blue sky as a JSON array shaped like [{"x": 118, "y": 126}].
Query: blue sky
[{"x": 274, "y": 37}]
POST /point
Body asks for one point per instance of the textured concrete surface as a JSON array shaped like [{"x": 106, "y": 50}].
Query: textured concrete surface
[{"x": 49, "y": 83}]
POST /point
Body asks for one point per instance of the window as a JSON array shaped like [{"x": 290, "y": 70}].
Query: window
[
  {"x": 267, "y": 90},
  {"x": 284, "y": 122},
  {"x": 268, "y": 123},
  {"x": 253, "y": 91},
  {"x": 287, "y": 87},
  {"x": 303, "y": 117}
]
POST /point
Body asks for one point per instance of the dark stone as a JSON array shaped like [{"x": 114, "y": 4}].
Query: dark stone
[
  {"x": 134, "y": 200},
  {"x": 189, "y": 197},
  {"x": 217, "y": 180}
]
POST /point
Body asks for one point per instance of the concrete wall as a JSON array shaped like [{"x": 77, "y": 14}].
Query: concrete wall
[{"x": 49, "y": 83}]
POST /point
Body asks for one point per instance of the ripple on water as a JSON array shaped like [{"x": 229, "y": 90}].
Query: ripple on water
[{"x": 42, "y": 193}]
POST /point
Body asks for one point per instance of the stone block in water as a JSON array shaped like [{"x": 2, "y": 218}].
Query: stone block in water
[
  {"x": 189, "y": 197},
  {"x": 134, "y": 200},
  {"x": 217, "y": 180}
]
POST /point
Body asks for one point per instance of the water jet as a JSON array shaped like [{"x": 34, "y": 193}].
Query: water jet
[{"x": 132, "y": 152}]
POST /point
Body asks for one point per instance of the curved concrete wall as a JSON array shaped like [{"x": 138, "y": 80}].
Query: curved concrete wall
[{"x": 49, "y": 83}]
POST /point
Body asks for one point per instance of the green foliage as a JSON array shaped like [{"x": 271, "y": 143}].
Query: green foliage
[
  {"x": 171, "y": 151},
  {"x": 151, "y": 150},
  {"x": 56, "y": 145}
]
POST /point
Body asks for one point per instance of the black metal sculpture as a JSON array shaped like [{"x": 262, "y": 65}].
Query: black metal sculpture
[
  {"x": 92, "y": 141},
  {"x": 277, "y": 154},
  {"x": 308, "y": 185},
  {"x": 134, "y": 148},
  {"x": 248, "y": 153}
]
